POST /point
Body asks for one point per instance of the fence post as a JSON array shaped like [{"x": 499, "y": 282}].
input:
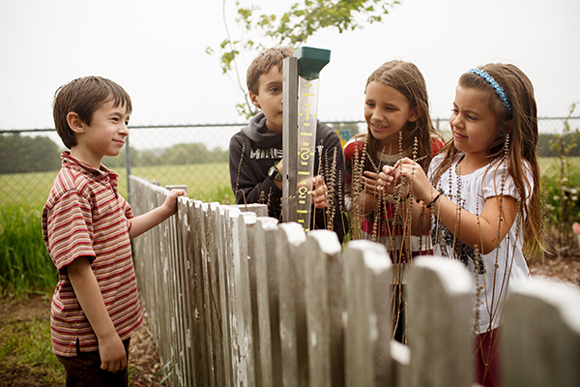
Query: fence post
[
  {"x": 224, "y": 255},
  {"x": 232, "y": 246},
  {"x": 202, "y": 355},
  {"x": 242, "y": 305},
  {"x": 541, "y": 335},
  {"x": 208, "y": 315},
  {"x": 324, "y": 308},
  {"x": 169, "y": 231},
  {"x": 250, "y": 298},
  {"x": 439, "y": 323},
  {"x": 267, "y": 298},
  {"x": 368, "y": 274},
  {"x": 186, "y": 274},
  {"x": 290, "y": 239},
  {"x": 214, "y": 238}
]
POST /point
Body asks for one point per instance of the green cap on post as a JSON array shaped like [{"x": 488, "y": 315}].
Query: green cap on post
[{"x": 310, "y": 61}]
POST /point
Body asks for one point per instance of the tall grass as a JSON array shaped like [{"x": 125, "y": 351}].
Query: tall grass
[{"x": 25, "y": 266}]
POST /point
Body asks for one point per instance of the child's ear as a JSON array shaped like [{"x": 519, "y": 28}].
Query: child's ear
[
  {"x": 254, "y": 100},
  {"x": 414, "y": 114},
  {"x": 74, "y": 122}
]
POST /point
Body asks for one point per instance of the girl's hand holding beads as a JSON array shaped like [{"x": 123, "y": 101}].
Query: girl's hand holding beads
[
  {"x": 371, "y": 182},
  {"x": 415, "y": 177},
  {"x": 386, "y": 179}
]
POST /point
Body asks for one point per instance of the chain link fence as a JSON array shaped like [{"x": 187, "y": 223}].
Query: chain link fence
[{"x": 191, "y": 155}]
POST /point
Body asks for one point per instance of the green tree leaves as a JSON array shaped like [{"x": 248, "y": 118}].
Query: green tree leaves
[{"x": 294, "y": 27}]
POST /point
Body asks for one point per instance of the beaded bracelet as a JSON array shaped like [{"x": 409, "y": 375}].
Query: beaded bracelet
[{"x": 434, "y": 200}]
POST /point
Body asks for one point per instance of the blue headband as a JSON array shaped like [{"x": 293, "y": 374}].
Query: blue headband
[{"x": 498, "y": 89}]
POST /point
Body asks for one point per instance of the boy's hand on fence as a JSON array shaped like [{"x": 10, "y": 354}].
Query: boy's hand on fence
[
  {"x": 113, "y": 355},
  {"x": 319, "y": 192},
  {"x": 171, "y": 201},
  {"x": 145, "y": 222}
]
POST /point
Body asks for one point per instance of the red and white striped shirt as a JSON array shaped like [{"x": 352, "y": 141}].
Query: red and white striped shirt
[{"x": 84, "y": 216}]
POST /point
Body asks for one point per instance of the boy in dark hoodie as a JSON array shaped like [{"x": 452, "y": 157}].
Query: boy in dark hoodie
[{"x": 255, "y": 158}]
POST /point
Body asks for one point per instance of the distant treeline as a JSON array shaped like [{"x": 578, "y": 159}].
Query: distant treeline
[
  {"x": 180, "y": 154},
  {"x": 22, "y": 154}
]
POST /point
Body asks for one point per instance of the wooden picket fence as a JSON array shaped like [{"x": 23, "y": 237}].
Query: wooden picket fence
[{"x": 235, "y": 299}]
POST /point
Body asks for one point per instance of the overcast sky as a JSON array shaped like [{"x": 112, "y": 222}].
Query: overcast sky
[{"x": 156, "y": 51}]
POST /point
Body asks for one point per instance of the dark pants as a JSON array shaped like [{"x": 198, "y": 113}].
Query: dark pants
[
  {"x": 84, "y": 370},
  {"x": 486, "y": 359}
]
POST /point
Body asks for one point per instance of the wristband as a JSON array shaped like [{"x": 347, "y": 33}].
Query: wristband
[{"x": 434, "y": 200}]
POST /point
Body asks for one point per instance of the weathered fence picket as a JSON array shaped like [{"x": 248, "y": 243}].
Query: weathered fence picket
[
  {"x": 368, "y": 327},
  {"x": 267, "y": 298},
  {"x": 235, "y": 299},
  {"x": 543, "y": 320},
  {"x": 441, "y": 323},
  {"x": 290, "y": 265},
  {"x": 324, "y": 298}
]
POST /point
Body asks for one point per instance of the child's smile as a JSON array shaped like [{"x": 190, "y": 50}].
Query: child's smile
[
  {"x": 104, "y": 136},
  {"x": 386, "y": 112}
]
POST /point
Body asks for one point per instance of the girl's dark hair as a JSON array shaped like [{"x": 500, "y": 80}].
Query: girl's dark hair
[
  {"x": 84, "y": 96},
  {"x": 520, "y": 129}
]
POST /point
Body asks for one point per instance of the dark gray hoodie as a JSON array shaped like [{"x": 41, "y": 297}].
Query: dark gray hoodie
[{"x": 254, "y": 149}]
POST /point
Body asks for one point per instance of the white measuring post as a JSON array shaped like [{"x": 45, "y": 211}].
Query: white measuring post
[{"x": 301, "y": 78}]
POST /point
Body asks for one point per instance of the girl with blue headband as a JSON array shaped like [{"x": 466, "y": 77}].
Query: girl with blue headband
[{"x": 480, "y": 198}]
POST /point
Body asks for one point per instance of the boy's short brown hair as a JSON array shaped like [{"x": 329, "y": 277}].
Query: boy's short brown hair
[
  {"x": 263, "y": 63},
  {"x": 83, "y": 96}
]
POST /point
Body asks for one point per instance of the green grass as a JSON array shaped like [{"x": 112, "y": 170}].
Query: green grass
[
  {"x": 25, "y": 266},
  {"x": 25, "y": 189},
  {"x": 206, "y": 182},
  {"x": 25, "y": 346},
  {"x": 550, "y": 166},
  {"x": 561, "y": 194}
]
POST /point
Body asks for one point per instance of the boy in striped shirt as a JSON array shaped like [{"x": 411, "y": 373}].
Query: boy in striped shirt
[{"x": 87, "y": 226}]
